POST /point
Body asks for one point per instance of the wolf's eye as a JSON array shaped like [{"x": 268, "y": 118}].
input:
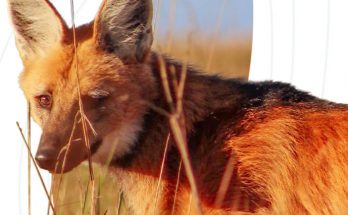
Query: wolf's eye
[
  {"x": 99, "y": 95},
  {"x": 45, "y": 101}
]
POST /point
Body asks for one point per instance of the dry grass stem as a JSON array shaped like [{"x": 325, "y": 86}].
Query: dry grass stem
[
  {"x": 171, "y": 25},
  {"x": 176, "y": 187},
  {"x": 165, "y": 84},
  {"x": 161, "y": 174},
  {"x": 188, "y": 211},
  {"x": 83, "y": 116},
  {"x": 51, "y": 195},
  {"x": 64, "y": 150},
  {"x": 177, "y": 125},
  {"x": 29, "y": 162},
  {"x": 225, "y": 182},
  {"x": 119, "y": 205},
  {"x": 85, "y": 199},
  {"x": 82, "y": 196},
  {"x": 36, "y": 167},
  {"x": 215, "y": 35},
  {"x": 181, "y": 87}
]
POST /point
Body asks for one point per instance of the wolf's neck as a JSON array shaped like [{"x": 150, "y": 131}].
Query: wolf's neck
[
  {"x": 203, "y": 93},
  {"x": 205, "y": 99},
  {"x": 203, "y": 96}
]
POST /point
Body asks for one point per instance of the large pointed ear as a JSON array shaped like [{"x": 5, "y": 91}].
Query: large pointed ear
[
  {"x": 37, "y": 26},
  {"x": 124, "y": 27}
]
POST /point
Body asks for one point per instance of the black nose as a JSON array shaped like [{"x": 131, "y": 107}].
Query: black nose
[{"x": 46, "y": 158}]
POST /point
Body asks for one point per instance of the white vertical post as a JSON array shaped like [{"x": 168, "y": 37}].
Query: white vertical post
[{"x": 303, "y": 43}]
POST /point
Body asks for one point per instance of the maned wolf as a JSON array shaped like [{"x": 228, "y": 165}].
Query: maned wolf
[{"x": 288, "y": 150}]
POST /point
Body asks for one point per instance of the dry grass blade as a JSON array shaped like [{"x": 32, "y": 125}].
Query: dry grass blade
[
  {"x": 51, "y": 194},
  {"x": 165, "y": 84},
  {"x": 225, "y": 181},
  {"x": 157, "y": 109},
  {"x": 36, "y": 167},
  {"x": 5, "y": 47},
  {"x": 216, "y": 34},
  {"x": 98, "y": 197},
  {"x": 29, "y": 163},
  {"x": 161, "y": 174},
  {"x": 83, "y": 116},
  {"x": 171, "y": 25},
  {"x": 85, "y": 199},
  {"x": 94, "y": 198},
  {"x": 77, "y": 173},
  {"x": 182, "y": 145},
  {"x": 64, "y": 150},
  {"x": 118, "y": 212},
  {"x": 188, "y": 212},
  {"x": 181, "y": 87},
  {"x": 236, "y": 203},
  {"x": 177, "y": 125},
  {"x": 176, "y": 187}
]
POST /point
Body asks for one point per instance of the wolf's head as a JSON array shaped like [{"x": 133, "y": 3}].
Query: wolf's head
[{"x": 106, "y": 79}]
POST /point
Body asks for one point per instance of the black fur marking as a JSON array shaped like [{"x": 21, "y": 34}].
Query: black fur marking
[{"x": 275, "y": 93}]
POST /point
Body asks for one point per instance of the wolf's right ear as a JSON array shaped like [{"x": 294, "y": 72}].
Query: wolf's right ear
[
  {"x": 124, "y": 27},
  {"x": 37, "y": 26}
]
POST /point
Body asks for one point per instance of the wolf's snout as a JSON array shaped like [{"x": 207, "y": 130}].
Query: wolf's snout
[{"x": 46, "y": 158}]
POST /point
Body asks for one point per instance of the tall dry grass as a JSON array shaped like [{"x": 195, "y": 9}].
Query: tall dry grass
[{"x": 230, "y": 58}]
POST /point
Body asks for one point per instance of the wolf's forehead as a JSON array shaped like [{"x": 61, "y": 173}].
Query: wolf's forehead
[
  {"x": 60, "y": 68},
  {"x": 56, "y": 60}
]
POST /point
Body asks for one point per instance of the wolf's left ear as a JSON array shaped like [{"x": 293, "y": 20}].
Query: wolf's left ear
[
  {"x": 124, "y": 27},
  {"x": 37, "y": 26}
]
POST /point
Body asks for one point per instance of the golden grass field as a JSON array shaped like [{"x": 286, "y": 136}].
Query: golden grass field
[
  {"x": 229, "y": 59},
  {"x": 226, "y": 58}
]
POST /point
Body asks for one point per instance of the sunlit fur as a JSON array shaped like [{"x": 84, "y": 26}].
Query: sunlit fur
[{"x": 288, "y": 150}]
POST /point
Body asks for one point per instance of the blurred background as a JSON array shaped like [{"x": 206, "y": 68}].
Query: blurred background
[{"x": 217, "y": 33}]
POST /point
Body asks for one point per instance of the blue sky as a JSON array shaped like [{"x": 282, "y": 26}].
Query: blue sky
[
  {"x": 202, "y": 16},
  {"x": 198, "y": 16}
]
